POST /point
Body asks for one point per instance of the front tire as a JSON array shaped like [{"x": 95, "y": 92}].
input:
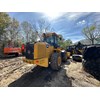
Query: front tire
[
  {"x": 55, "y": 61},
  {"x": 63, "y": 56}
]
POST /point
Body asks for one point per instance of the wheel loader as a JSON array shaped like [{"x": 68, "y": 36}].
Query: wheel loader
[{"x": 46, "y": 52}]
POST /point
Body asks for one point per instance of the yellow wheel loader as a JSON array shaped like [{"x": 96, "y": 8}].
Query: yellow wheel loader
[{"x": 46, "y": 52}]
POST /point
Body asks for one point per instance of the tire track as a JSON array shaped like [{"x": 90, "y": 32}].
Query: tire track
[
  {"x": 15, "y": 74},
  {"x": 7, "y": 64},
  {"x": 12, "y": 69},
  {"x": 9, "y": 69}
]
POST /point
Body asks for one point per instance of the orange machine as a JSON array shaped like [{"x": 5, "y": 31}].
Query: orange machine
[{"x": 12, "y": 50}]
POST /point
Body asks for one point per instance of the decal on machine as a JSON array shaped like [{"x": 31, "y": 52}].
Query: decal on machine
[{"x": 47, "y": 45}]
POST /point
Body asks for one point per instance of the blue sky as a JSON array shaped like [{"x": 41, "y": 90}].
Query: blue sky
[{"x": 69, "y": 24}]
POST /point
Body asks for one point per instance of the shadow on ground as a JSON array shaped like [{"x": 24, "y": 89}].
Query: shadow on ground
[
  {"x": 9, "y": 57},
  {"x": 43, "y": 77}
]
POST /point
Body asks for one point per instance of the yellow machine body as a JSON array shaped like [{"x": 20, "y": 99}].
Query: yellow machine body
[
  {"x": 42, "y": 54},
  {"x": 41, "y": 62},
  {"x": 42, "y": 50}
]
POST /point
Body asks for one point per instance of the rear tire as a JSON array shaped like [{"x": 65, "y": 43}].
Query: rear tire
[{"x": 55, "y": 61}]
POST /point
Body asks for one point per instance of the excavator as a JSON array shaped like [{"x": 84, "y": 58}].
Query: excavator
[{"x": 46, "y": 53}]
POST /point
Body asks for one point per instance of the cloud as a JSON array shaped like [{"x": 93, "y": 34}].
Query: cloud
[
  {"x": 76, "y": 15},
  {"x": 81, "y": 22},
  {"x": 52, "y": 15}
]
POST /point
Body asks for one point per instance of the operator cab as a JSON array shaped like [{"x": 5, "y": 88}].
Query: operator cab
[{"x": 51, "y": 38}]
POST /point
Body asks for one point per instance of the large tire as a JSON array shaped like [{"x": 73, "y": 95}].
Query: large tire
[
  {"x": 63, "y": 56},
  {"x": 55, "y": 61},
  {"x": 92, "y": 67}
]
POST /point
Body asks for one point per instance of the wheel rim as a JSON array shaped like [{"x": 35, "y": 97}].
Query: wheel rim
[{"x": 59, "y": 61}]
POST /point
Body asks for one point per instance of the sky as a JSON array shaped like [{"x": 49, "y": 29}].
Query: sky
[{"x": 69, "y": 24}]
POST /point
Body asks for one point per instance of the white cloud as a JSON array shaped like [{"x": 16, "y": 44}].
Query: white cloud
[
  {"x": 76, "y": 15},
  {"x": 81, "y": 22}
]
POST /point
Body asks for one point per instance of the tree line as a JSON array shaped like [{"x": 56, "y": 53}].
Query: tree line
[
  {"x": 14, "y": 31},
  {"x": 27, "y": 31}
]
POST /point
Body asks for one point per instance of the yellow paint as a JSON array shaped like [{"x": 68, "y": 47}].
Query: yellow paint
[
  {"x": 41, "y": 62},
  {"x": 39, "y": 50},
  {"x": 68, "y": 54},
  {"x": 59, "y": 61},
  {"x": 81, "y": 51},
  {"x": 58, "y": 49},
  {"x": 49, "y": 51}
]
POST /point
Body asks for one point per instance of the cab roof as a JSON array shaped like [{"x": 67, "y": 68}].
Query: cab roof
[{"x": 50, "y": 34}]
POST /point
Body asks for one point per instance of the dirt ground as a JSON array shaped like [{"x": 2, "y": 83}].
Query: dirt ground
[{"x": 15, "y": 73}]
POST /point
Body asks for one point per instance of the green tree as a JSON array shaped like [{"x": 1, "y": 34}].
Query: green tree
[
  {"x": 64, "y": 43},
  {"x": 68, "y": 42},
  {"x": 4, "y": 23},
  {"x": 13, "y": 30}
]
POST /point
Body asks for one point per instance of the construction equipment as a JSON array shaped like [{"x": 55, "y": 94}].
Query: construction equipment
[
  {"x": 78, "y": 48},
  {"x": 46, "y": 52},
  {"x": 75, "y": 51},
  {"x": 70, "y": 50},
  {"x": 91, "y": 60},
  {"x": 78, "y": 51},
  {"x": 10, "y": 49},
  {"x": 23, "y": 49}
]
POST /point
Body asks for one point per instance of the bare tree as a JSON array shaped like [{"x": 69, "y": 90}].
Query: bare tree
[
  {"x": 30, "y": 32},
  {"x": 26, "y": 27},
  {"x": 98, "y": 33},
  {"x": 91, "y": 32},
  {"x": 41, "y": 26}
]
